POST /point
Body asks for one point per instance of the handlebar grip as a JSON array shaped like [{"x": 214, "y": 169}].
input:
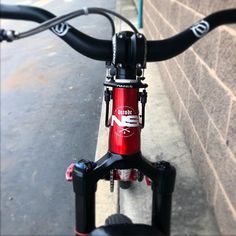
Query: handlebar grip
[{"x": 7, "y": 35}]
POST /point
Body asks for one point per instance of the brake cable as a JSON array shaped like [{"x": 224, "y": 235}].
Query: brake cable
[
  {"x": 113, "y": 29},
  {"x": 61, "y": 19}
]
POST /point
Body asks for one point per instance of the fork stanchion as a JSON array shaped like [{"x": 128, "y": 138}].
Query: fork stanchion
[
  {"x": 85, "y": 191},
  {"x": 162, "y": 197}
]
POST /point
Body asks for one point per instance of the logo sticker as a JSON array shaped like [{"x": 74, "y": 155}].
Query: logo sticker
[
  {"x": 200, "y": 28},
  {"x": 125, "y": 119},
  {"x": 61, "y": 29}
]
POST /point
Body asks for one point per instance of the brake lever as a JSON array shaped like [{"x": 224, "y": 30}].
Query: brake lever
[{"x": 8, "y": 35}]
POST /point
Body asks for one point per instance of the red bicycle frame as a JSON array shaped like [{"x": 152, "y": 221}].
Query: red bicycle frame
[{"x": 124, "y": 138}]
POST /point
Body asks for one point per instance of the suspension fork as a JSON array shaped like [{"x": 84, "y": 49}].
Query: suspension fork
[
  {"x": 85, "y": 175},
  {"x": 162, "y": 189}
]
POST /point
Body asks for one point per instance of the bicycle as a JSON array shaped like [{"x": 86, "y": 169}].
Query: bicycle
[{"x": 126, "y": 57}]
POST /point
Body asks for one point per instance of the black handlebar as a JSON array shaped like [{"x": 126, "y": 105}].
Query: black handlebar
[{"x": 99, "y": 49}]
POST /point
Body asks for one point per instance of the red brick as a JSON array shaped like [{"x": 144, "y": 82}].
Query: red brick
[
  {"x": 207, "y": 7},
  {"x": 207, "y": 46},
  {"x": 215, "y": 99},
  {"x": 180, "y": 58},
  {"x": 171, "y": 91},
  {"x": 221, "y": 5},
  {"x": 179, "y": 80},
  {"x": 162, "y": 6},
  {"x": 147, "y": 26},
  {"x": 226, "y": 67},
  {"x": 187, "y": 18},
  {"x": 200, "y": 6},
  {"x": 231, "y": 136},
  {"x": 184, "y": 1},
  {"x": 204, "y": 171},
  {"x": 198, "y": 116},
  {"x": 192, "y": 68},
  {"x": 224, "y": 215},
  {"x": 174, "y": 14},
  {"x": 163, "y": 26},
  {"x": 187, "y": 127},
  {"x": 153, "y": 21},
  {"x": 223, "y": 162}
]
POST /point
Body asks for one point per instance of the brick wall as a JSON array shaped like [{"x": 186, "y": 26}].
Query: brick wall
[{"x": 201, "y": 84}]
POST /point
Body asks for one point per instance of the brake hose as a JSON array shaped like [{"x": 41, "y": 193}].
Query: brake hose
[
  {"x": 61, "y": 19},
  {"x": 113, "y": 29}
]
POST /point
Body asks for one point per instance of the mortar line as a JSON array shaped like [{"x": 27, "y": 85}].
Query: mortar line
[
  {"x": 228, "y": 120},
  {"x": 218, "y": 50}
]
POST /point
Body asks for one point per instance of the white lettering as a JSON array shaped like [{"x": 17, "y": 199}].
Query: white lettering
[
  {"x": 126, "y": 121},
  {"x": 128, "y": 112}
]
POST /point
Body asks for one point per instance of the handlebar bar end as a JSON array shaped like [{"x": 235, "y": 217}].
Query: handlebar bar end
[{"x": 8, "y": 35}]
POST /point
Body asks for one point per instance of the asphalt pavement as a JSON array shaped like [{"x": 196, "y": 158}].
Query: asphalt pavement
[{"x": 50, "y": 111}]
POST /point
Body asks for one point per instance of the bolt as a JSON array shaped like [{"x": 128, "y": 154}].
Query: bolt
[
  {"x": 139, "y": 35},
  {"x": 10, "y": 35},
  {"x": 16, "y": 33},
  {"x": 120, "y": 36},
  {"x": 80, "y": 165},
  {"x": 165, "y": 165},
  {"x": 119, "y": 65},
  {"x": 138, "y": 65}
]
